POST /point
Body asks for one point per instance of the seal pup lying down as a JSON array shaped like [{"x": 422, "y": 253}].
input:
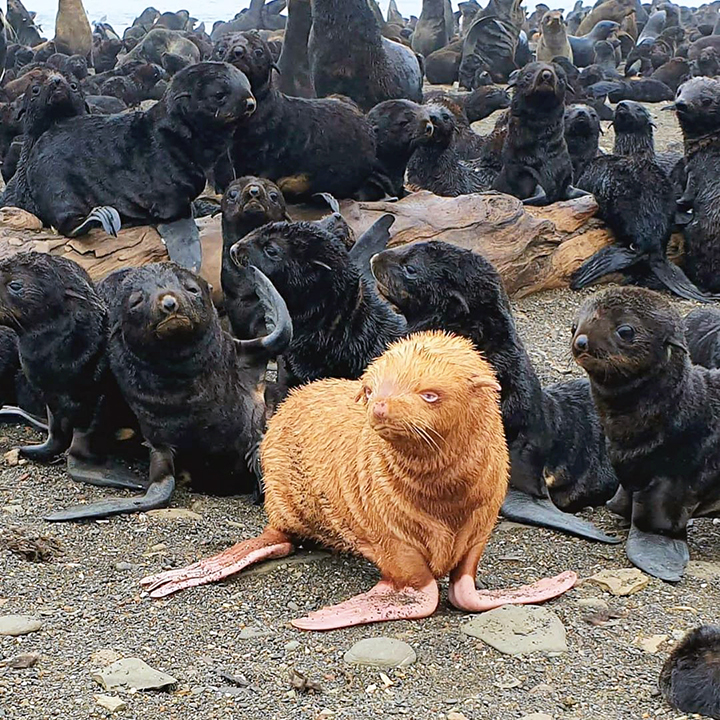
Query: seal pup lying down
[
  {"x": 136, "y": 168},
  {"x": 411, "y": 477},
  {"x": 661, "y": 419},
  {"x": 195, "y": 390}
]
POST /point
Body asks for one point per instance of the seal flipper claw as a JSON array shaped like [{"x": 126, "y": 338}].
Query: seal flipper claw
[
  {"x": 661, "y": 556},
  {"x": 11, "y": 413},
  {"x": 103, "y": 473},
  {"x": 271, "y": 544},
  {"x": 523, "y": 508},
  {"x": 158, "y": 495},
  {"x": 106, "y": 217},
  {"x": 182, "y": 240},
  {"x": 381, "y": 603}
]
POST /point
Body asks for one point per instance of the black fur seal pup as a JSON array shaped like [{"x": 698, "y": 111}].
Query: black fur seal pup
[
  {"x": 582, "y": 134},
  {"x": 349, "y": 56},
  {"x": 340, "y": 323},
  {"x": 294, "y": 65},
  {"x": 690, "y": 677},
  {"x": 536, "y": 162},
  {"x": 637, "y": 201},
  {"x": 552, "y": 435},
  {"x": 477, "y": 104},
  {"x": 248, "y": 203},
  {"x": 138, "y": 168},
  {"x": 306, "y": 146},
  {"x": 661, "y": 418},
  {"x": 400, "y": 127},
  {"x": 697, "y": 106},
  {"x": 702, "y": 334},
  {"x": 192, "y": 387}
]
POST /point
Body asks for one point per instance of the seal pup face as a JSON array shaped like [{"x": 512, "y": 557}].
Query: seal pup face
[
  {"x": 249, "y": 53},
  {"x": 625, "y": 333},
  {"x": 210, "y": 94},
  {"x": 400, "y": 125},
  {"x": 255, "y": 199},
  {"x": 49, "y": 99},
  {"x": 581, "y": 120},
  {"x": 697, "y": 104},
  {"x": 422, "y": 389},
  {"x": 444, "y": 124},
  {"x": 631, "y": 116},
  {"x": 552, "y": 23},
  {"x": 164, "y": 303},
  {"x": 541, "y": 85},
  {"x": 36, "y": 288}
]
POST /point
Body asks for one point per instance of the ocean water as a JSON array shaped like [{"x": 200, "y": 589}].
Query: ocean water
[{"x": 121, "y": 14}]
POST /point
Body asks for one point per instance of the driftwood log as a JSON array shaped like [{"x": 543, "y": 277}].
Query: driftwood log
[{"x": 534, "y": 249}]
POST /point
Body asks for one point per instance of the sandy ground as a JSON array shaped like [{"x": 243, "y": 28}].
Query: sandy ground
[{"x": 92, "y": 608}]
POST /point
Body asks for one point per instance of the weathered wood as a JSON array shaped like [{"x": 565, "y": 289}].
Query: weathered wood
[{"x": 534, "y": 249}]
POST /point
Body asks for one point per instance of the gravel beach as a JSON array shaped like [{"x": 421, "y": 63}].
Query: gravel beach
[{"x": 232, "y": 651}]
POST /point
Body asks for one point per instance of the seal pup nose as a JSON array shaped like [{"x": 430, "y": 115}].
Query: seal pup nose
[
  {"x": 250, "y": 105},
  {"x": 169, "y": 303},
  {"x": 254, "y": 191},
  {"x": 380, "y": 409},
  {"x": 581, "y": 343},
  {"x": 546, "y": 75}
]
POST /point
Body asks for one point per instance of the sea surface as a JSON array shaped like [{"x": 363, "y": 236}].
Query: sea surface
[{"x": 121, "y": 14}]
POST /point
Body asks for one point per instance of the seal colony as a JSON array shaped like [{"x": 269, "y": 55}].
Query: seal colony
[{"x": 379, "y": 400}]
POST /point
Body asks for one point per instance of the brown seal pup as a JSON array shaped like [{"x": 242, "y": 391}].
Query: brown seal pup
[
  {"x": 553, "y": 41},
  {"x": 411, "y": 478},
  {"x": 661, "y": 419},
  {"x": 72, "y": 29}
]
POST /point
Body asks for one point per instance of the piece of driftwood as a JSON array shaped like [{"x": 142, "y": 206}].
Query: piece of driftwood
[{"x": 534, "y": 249}]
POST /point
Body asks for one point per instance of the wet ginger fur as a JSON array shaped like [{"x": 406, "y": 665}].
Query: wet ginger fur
[{"x": 411, "y": 477}]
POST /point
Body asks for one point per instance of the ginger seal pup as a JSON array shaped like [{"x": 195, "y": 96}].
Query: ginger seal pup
[{"x": 410, "y": 473}]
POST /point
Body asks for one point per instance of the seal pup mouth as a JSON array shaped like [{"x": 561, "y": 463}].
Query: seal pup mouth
[
  {"x": 545, "y": 81},
  {"x": 172, "y": 325}
]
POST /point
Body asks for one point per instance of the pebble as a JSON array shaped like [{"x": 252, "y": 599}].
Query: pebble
[
  {"x": 22, "y": 662},
  {"x": 105, "y": 656},
  {"x": 621, "y": 582},
  {"x": 381, "y": 652},
  {"x": 173, "y": 514},
  {"x": 12, "y": 458},
  {"x": 518, "y": 630},
  {"x": 135, "y": 674},
  {"x": 250, "y": 633},
  {"x": 456, "y": 716},
  {"x": 111, "y": 703},
  {"x": 293, "y": 606},
  {"x": 537, "y": 716},
  {"x": 594, "y": 603},
  {"x": 651, "y": 644},
  {"x": 292, "y": 645},
  {"x": 16, "y": 625},
  {"x": 123, "y": 566}
]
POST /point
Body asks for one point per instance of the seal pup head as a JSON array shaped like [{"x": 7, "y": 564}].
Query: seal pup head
[
  {"x": 539, "y": 86},
  {"x": 582, "y": 121},
  {"x": 444, "y": 124},
  {"x": 400, "y": 126},
  {"x": 627, "y": 333},
  {"x": 210, "y": 95},
  {"x": 48, "y": 99},
  {"x": 250, "y": 54},
  {"x": 552, "y": 23},
  {"x": 697, "y": 104},
  {"x": 631, "y": 116},
  {"x": 253, "y": 199},
  {"x": 37, "y": 288},
  {"x": 426, "y": 389},
  {"x": 164, "y": 304}
]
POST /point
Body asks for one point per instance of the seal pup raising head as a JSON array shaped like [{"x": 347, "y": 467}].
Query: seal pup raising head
[{"x": 411, "y": 478}]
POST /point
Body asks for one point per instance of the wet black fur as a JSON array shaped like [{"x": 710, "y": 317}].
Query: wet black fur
[
  {"x": 148, "y": 165},
  {"x": 328, "y": 142},
  {"x": 582, "y": 133},
  {"x": 340, "y": 324},
  {"x": 690, "y": 677},
  {"x": 552, "y": 433},
  {"x": 702, "y": 334}
]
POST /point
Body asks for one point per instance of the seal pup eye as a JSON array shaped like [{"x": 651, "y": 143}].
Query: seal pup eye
[
  {"x": 429, "y": 396},
  {"x": 36, "y": 90},
  {"x": 74, "y": 86},
  {"x": 271, "y": 251},
  {"x": 259, "y": 52},
  {"x": 193, "y": 289},
  {"x": 410, "y": 270},
  {"x": 136, "y": 299},
  {"x": 15, "y": 286},
  {"x": 274, "y": 197},
  {"x": 626, "y": 333},
  {"x": 220, "y": 95},
  {"x": 573, "y": 329}
]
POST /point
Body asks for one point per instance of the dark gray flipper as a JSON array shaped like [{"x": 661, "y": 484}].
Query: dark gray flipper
[
  {"x": 677, "y": 282},
  {"x": 611, "y": 259},
  {"x": 57, "y": 442},
  {"x": 330, "y": 200},
  {"x": 572, "y": 193},
  {"x": 658, "y": 555},
  {"x": 106, "y": 217},
  {"x": 182, "y": 240},
  {"x": 373, "y": 241},
  {"x": 621, "y": 503},
  {"x": 103, "y": 473},
  {"x": 539, "y": 197},
  {"x": 13, "y": 414},
  {"x": 523, "y": 508},
  {"x": 158, "y": 495}
]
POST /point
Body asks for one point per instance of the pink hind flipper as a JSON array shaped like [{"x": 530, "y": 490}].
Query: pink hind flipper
[
  {"x": 464, "y": 596},
  {"x": 271, "y": 544},
  {"x": 383, "y": 602}
]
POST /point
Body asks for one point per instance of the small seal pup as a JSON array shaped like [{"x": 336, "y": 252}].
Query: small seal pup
[
  {"x": 553, "y": 40},
  {"x": 702, "y": 334},
  {"x": 138, "y": 168},
  {"x": 411, "y": 478},
  {"x": 555, "y": 441},
  {"x": 248, "y": 203},
  {"x": 193, "y": 388},
  {"x": 690, "y": 677},
  {"x": 697, "y": 106},
  {"x": 536, "y": 162},
  {"x": 637, "y": 201},
  {"x": 340, "y": 324},
  {"x": 582, "y": 133},
  {"x": 661, "y": 418}
]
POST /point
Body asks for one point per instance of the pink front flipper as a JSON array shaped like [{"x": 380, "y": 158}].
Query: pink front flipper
[
  {"x": 212, "y": 569},
  {"x": 383, "y": 602},
  {"x": 464, "y": 596}
]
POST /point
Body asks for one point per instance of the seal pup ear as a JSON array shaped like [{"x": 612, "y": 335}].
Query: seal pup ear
[
  {"x": 459, "y": 302},
  {"x": 482, "y": 381},
  {"x": 275, "y": 67},
  {"x": 362, "y": 396}
]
